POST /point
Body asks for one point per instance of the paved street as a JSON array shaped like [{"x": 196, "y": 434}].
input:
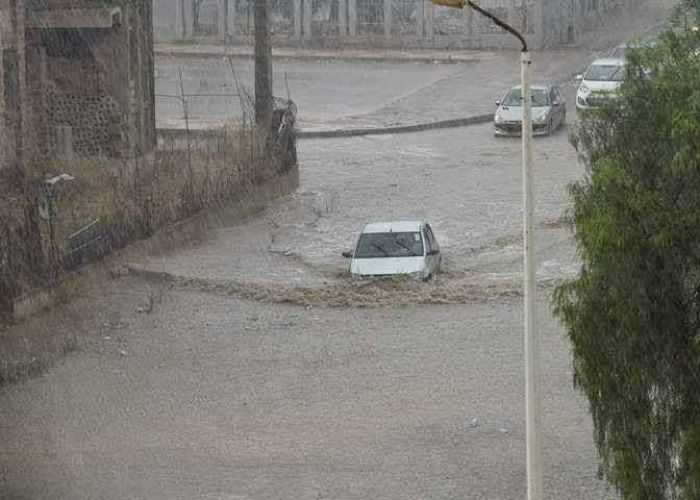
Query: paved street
[
  {"x": 220, "y": 398},
  {"x": 323, "y": 90},
  {"x": 351, "y": 94}
]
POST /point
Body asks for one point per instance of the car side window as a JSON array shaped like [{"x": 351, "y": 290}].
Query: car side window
[{"x": 554, "y": 97}]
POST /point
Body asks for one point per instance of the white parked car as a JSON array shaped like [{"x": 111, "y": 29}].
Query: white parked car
[
  {"x": 599, "y": 83},
  {"x": 620, "y": 52},
  {"x": 396, "y": 248}
]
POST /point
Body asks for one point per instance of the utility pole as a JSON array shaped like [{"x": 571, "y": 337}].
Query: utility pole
[
  {"x": 181, "y": 21},
  {"x": 263, "y": 66},
  {"x": 223, "y": 21},
  {"x": 533, "y": 426},
  {"x": 532, "y": 343}
]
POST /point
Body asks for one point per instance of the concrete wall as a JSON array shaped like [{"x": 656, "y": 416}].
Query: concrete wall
[
  {"x": 85, "y": 76},
  {"x": 175, "y": 19},
  {"x": 168, "y": 23}
]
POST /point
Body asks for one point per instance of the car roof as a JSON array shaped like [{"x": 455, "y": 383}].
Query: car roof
[
  {"x": 609, "y": 61},
  {"x": 639, "y": 42},
  {"x": 403, "y": 226}
]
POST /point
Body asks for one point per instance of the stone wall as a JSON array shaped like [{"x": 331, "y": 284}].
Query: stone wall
[
  {"x": 88, "y": 124},
  {"x": 85, "y": 79}
]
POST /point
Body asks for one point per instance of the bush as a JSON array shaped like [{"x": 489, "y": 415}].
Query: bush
[{"x": 633, "y": 313}]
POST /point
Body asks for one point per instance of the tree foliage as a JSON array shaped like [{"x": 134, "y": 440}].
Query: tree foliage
[{"x": 633, "y": 313}]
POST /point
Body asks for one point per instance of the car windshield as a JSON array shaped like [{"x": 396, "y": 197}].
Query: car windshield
[
  {"x": 374, "y": 245},
  {"x": 540, "y": 97},
  {"x": 605, "y": 73}
]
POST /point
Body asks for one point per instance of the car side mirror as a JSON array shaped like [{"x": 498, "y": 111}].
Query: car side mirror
[
  {"x": 579, "y": 79},
  {"x": 498, "y": 103},
  {"x": 348, "y": 254}
]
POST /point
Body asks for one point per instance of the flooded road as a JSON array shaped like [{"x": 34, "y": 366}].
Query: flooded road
[
  {"x": 464, "y": 181},
  {"x": 253, "y": 367},
  {"x": 209, "y": 396}
]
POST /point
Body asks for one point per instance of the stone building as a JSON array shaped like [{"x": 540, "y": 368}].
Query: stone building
[
  {"x": 383, "y": 23},
  {"x": 76, "y": 79}
]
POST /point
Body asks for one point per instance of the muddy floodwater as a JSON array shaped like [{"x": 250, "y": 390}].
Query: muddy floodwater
[{"x": 465, "y": 182}]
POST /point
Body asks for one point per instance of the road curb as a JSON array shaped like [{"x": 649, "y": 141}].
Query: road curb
[{"x": 400, "y": 129}]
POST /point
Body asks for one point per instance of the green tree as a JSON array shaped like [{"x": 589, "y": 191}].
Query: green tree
[{"x": 633, "y": 313}]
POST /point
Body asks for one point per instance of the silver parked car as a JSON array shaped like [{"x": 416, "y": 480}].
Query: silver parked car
[
  {"x": 620, "y": 52},
  {"x": 548, "y": 111}
]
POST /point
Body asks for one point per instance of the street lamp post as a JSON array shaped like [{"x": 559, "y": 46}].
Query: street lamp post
[
  {"x": 532, "y": 358},
  {"x": 532, "y": 368}
]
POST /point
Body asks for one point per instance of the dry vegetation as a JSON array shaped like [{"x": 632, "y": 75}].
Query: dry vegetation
[
  {"x": 129, "y": 199},
  {"x": 125, "y": 199}
]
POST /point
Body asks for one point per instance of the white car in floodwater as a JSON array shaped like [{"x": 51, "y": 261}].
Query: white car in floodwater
[{"x": 406, "y": 248}]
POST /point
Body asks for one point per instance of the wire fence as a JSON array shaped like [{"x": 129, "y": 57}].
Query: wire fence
[
  {"x": 398, "y": 22},
  {"x": 111, "y": 202}
]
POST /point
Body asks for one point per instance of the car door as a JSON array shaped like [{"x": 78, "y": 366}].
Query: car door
[
  {"x": 433, "y": 257},
  {"x": 554, "y": 108}
]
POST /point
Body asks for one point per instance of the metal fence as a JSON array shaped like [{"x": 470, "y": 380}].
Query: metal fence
[{"x": 376, "y": 23}]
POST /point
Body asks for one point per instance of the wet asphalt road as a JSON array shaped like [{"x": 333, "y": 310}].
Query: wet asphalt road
[
  {"x": 464, "y": 181},
  {"x": 211, "y": 396},
  {"x": 324, "y": 90},
  {"x": 346, "y": 93}
]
